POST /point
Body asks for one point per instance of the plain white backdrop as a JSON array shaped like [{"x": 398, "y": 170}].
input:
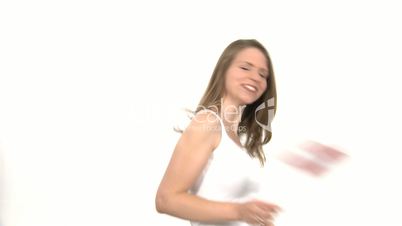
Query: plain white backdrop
[{"x": 90, "y": 92}]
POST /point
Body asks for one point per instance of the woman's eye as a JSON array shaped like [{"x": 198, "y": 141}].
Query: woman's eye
[
  {"x": 263, "y": 75},
  {"x": 244, "y": 68}
]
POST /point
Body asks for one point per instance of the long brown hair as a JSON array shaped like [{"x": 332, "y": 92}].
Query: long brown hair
[{"x": 255, "y": 134}]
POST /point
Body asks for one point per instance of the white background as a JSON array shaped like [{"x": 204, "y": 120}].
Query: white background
[{"x": 90, "y": 92}]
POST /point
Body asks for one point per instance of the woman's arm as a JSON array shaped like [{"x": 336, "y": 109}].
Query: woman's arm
[{"x": 189, "y": 158}]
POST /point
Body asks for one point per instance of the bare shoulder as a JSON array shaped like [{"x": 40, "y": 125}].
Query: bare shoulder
[
  {"x": 191, "y": 153},
  {"x": 194, "y": 147},
  {"x": 205, "y": 127}
]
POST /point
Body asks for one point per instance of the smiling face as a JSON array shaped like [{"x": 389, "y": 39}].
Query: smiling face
[{"x": 246, "y": 77}]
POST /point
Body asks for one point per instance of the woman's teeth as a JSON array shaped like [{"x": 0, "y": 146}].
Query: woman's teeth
[{"x": 250, "y": 88}]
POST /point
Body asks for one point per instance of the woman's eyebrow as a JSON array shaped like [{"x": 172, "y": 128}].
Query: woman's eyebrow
[{"x": 251, "y": 64}]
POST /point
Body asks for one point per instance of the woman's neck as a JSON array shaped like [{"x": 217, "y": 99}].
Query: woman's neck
[{"x": 231, "y": 112}]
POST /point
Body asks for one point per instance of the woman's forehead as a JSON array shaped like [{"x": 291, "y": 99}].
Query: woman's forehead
[{"x": 253, "y": 57}]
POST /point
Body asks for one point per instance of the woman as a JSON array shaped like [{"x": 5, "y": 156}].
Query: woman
[{"x": 211, "y": 174}]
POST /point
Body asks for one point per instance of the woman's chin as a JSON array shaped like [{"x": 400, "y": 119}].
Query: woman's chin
[
  {"x": 247, "y": 101},
  {"x": 247, "y": 98}
]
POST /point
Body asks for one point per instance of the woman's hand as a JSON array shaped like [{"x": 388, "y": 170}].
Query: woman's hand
[
  {"x": 320, "y": 157},
  {"x": 258, "y": 212}
]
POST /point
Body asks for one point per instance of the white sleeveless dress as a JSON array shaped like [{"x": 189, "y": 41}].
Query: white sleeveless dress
[{"x": 230, "y": 175}]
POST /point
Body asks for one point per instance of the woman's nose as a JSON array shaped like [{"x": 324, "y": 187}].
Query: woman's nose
[{"x": 255, "y": 76}]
